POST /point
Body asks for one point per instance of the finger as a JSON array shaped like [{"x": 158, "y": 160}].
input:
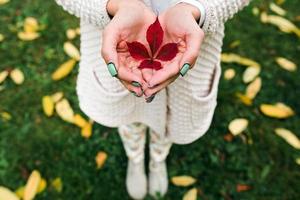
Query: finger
[
  {"x": 169, "y": 70},
  {"x": 147, "y": 75},
  {"x": 110, "y": 41},
  {"x": 193, "y": 44},
  {"x": 136, "y": 91},
  {"x": 152, "y": 91},
  {"x": 128, "y": 75}
]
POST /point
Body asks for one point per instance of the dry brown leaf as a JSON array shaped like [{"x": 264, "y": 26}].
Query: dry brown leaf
[
  {"x": 244, "y": 99},
  {"x": 234, "y": 58},
  {"x": 31, "y": 25},
  {"x": 17, "y": 76},
  {"x": 86, "y": 131},
  {"x": 7, "y": 194},
  {"x": 71, "y": 34},
  {"x": 32, "y": 185},
  {"x": 229, "y": 74},
  {"x": 2, "y": 2},
  {"x": 63, "y": 70},
  {"x": 57, "y": 96},
  {"x": 48, "y": 105},
  {"x": 183, "y": 181},
  {"x": 190, "y": 194},
  {"x": 79, "y": 121},
  {"x": 238, "y": 125},
  {"x": 64, "y": 110},
  {"x": 71, "y": 51},
  {"x": 251, "y": 73},
  {"x": 289, "y": 137},
  {"x": 242, "y": 187},
  {"x": 278, "y": 110},
  {"x": 57, "y": 184},
  {"x": 100, "y": 159},
  {"x": 3, "y": 76},
  {"x": 228, "y": 137},
  {"x": 253, "y": 88},
  {"x": 286, "y": 64},
  {"x": 1, "y": 37},
  {"x": 28, "y": 36},
  {"x": 42, "y": 186},
  {"x": 277, "y": 9}
]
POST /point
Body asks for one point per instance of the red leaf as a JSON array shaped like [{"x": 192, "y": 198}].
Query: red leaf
[
  {"x": 150, "y": 64},
  {"x": 155, "y": 36},
  {"x": 242, "y": 187},
  {"x": 137, "y": 50},
  {"x": 167, "y": 52}
]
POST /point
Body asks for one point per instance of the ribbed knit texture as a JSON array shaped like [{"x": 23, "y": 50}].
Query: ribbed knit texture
[{"x": 183, "y": 110}]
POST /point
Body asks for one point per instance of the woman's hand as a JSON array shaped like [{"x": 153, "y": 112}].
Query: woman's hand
[
  {"x": 130, "y": 21},
  {"x": 180, "y": 26}
]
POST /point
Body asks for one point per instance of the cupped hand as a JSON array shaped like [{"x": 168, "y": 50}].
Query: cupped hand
[
  {"x": 129, "y": 23},
  {"x": 180, "y": 26}
]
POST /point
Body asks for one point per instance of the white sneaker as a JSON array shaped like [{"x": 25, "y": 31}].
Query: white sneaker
[
  {"x": 136, "y": 180},
  {"x": 158, "y": 178}
]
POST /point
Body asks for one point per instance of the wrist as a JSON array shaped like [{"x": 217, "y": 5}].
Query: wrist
[{"x": 191, "y": 9}]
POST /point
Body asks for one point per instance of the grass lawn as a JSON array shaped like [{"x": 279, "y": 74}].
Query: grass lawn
[{"x": 30, "y": 140}]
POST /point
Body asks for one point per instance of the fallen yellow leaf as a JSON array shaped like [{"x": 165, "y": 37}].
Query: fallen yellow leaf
[
  {"x": 1, "y": 37},
  {"x": 286, "y": 64},
  {"x": 280, "y": 2},
  {"x": 17, "y": 76},
  {"x": 238, "y": 125},
  {"x": 48, "y": 105},
  {"x": 234, "y": 44},
  {"x": 32, "y": 185},
  {"x": 251, "y": 73},
  {"x": 63, "y": 70},
  {"x": 2, "y": 2},
  {"x": 7, "y": 194},
  {"x": 100, "y": 159},
  {"x": 229, "y": 74},
  {"x": 5, "y": 115},
  {"x": 79, "y": 121},
  {"x": 289, "y": 137},
  {"x": 57, "y": 96},
  {"x": 234, "y": 58},
  {"x": 31, "y": 25},
  {"x": 244, "y": 99},
  {"x": 77, "y": 31},
  {"x": 190, "y": 194},
  {"x": 255, "y": 11},
  {"x": 28, "y": 36},
  {"x": 64, "y": 110},
  {"x": 298, "y": 161},
  {"x": 277, "y": 9},
  {"x": 183, "y": 181},
  {"x": 253, "y": 88},
  {"x": 278, "y": 110},
  {"x": 57, "y": 184},
  {"x": 42, "y": 186},
  {"x": 86, "y": 131},
  {"x": 71, "y": 34},
  {"x": 71, "y": 51},
  {"x": 3, "y": 76},
  {"x": 20, "y": 192}
]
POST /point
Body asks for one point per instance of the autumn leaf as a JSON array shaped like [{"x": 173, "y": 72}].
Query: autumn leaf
[
  {"x": 279, "y": 110},
  {"x": 20, "y": 192},
  {"x": 5, "y": 116},
  {"x": 86, "y": 130},
  {"x": 63, "y": 70},
  {"x": 1, "y": 37},
  {"x": 190, "y": 194},
  {"x": 2, "y": 2},
  {"x": 7, "y": 194},
  {"x": 71, "y": 51},
  {"x": 244, "y": 99},
  {"x": 286, "y": 64},
  {"x": 31, "y": 25},
  {"x": 42, "y": 186},
  {"x": 71, "y": 34},
  {"x": 64, "y": 110},
  {"x": 57, "y": 96},
  {"x": 79, "y": 121},
  {"x": 253, "y": 88},
  {"x": 277, "y": 9},
  {"x": 234, "y": 58},
  {"x": 242, "y": 187},
  {"x": 183, "y": 181},
  {"x": 154, "y": 38},
  {"x": 57, "y": 184},
  {"x": 32, "y": 184},
  {"x": 100, "y": 159},
  {"x": 289, "y": 137},
  {"x": 229, "y": 74},
  {"x": 17, "y": 76},
  {"x": 28, "y": 36},
  {"x": 48, "y": 105},
  {"x": 250, "y": 74},
  {"x": 238, "y": 125},
  {"x": 3, "y": 76}
]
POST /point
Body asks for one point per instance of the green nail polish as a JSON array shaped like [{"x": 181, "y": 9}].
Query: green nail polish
[
  {"x": 135, "y": 94},
  {"x": 112, "y": 69},
  {"x": 149, "y": 99},
  {"x": 135, "y": 84},
  {"x": 185, "y": 69}
]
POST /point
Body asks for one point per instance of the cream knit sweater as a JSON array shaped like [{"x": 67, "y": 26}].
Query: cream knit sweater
[{"x": 183, "y": 110}]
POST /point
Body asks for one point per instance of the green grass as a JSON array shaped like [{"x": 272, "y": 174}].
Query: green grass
[{"x": 30, "y": 140}]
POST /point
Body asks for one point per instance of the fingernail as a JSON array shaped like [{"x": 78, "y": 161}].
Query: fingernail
[
  {"x": 150, "y": 99},
  {"x": 135, "y": 94},
  {"x": 184, "y": 69},
  {"x": 136, "y": 84},
  {"x": 112, "y": 69}
]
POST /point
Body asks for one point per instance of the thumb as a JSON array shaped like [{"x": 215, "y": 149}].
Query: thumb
[
  {"x": 110, "y": 39},
  {"x": 193, "y": 44}
]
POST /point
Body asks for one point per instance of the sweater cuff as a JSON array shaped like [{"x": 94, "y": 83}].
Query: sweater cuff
[{"x": 210, "y": 24}]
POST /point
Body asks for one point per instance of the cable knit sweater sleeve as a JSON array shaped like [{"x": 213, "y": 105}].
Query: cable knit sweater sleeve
[{"x": 92, "y": 11}]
